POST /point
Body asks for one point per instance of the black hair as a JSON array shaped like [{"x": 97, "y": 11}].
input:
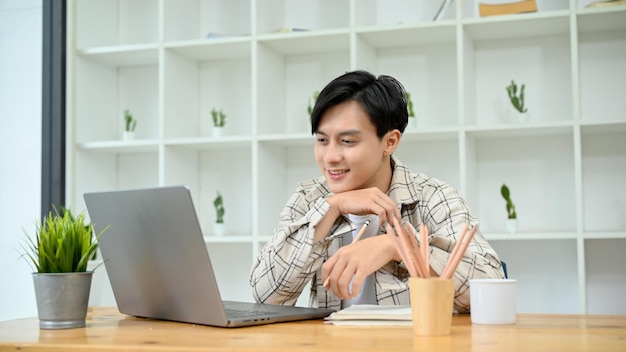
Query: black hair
[{"x": 383, "y": 98}]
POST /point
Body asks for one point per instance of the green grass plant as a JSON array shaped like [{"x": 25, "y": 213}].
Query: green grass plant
[{"x": 62, "y": 243}]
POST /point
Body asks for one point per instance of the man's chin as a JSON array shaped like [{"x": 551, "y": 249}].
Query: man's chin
[{"x": 338, "y": 187}]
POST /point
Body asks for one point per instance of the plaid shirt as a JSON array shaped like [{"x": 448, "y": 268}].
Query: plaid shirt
[{"x": 291, "y": 259}]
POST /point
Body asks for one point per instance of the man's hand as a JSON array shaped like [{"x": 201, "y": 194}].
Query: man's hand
[
  {"x": 365, "y": 201},
  {"x": 354, "y": 262}
]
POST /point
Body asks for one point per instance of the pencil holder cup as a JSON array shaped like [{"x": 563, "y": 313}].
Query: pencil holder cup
[{"x": 432, "y": 302}]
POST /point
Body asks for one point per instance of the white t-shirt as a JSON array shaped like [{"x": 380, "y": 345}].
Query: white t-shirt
[{"x": 367, "y": 295}]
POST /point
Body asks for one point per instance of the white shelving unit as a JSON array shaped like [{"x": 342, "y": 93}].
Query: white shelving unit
[{"x": 171, "y": 61}]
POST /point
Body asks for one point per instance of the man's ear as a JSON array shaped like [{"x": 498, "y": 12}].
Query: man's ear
[{"x": 391, "y": 141}]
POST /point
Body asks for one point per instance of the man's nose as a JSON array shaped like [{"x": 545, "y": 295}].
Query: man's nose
[{"x": 333, "y": 153}]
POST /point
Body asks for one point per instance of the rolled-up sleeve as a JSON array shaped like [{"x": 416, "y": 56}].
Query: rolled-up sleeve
[{"x": 290, "y": 260}]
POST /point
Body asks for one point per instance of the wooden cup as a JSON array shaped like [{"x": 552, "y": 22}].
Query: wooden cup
[{"x": 432, "y": 302}]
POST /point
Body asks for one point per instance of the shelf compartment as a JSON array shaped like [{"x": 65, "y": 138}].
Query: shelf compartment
[
  {"x": 231, "y": 265},
  {"x": 601, "y": 59},
  {"x": 98, "y": 171},
  {"x": 286, "y": 83},
  {"x": 208, "y": 171},
  {"x": 283, "y": 167},
  {"x": 201, "y": 19},
  {"x": 103, "y": 92},
  {"x": 553, "y": 269},
  {"x": 194, "y": 86},
  {"x": 539, "y": 171},
  {"x": 542, "y": 64},
  {"x": 603, "y": 174},
  {"x": 275, "y": 15},
  {"x": 113, "y": 22},
  {"x": 605, "y": 276},
  {"x": 423, "y": 69},
  {"x": 434, "y": 158}
]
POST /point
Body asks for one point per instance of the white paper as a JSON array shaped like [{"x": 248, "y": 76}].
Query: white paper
[{"x": 373, "y": 313}]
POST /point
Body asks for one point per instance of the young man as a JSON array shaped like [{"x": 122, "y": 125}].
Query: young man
[{"x": 358, "y": 120}]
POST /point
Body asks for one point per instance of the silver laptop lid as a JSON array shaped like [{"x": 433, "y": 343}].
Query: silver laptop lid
[{"x": 155, "y": 255}]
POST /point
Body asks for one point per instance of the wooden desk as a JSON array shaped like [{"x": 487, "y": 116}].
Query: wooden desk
[{"x": 108, "y": 330}]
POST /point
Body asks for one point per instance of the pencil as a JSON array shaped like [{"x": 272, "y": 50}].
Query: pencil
[
  {"x": 356, "y": 238},
  {"x": 455, "y": 259},
  {"x": 421, "y": 262},
  {"x": 409, "y": 258},
  {"x": 361, "y": 231},
  {"x": 453, "y": 253},
  {"x": 425, "y": 246}
]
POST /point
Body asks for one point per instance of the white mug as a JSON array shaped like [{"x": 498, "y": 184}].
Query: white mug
[{"x": 493, "y": 301}]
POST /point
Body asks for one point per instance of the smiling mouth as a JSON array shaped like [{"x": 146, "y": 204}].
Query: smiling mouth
[{"x": 337, "y": 174}]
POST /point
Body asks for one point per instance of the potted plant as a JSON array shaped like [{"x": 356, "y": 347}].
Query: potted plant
[
  {"x": 309, "y": 108},
  {"x": 218, "y": 203},
  {"x": 129, "y": 126},
  {"x": 60, "y": 252},
  {"x": 518, "y": 101},
  {"x": 511, "y": 223},
  {"x": 219, "y": 120},
  {"x": 409, "y": 104}
]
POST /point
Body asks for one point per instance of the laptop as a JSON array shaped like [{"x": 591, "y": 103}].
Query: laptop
[{"x": 159, "y": 266}]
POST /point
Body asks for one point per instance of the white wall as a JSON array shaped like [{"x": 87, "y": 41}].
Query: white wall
[{"x": 20, "y": 149}]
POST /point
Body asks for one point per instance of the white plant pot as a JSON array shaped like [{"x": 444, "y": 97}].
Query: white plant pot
[
  {"x": 128, "y": 135},
  {"x": 511, "y": 226},
  {"x": 522, "y": 117},
  {"x": 218, "y": 229},
  {"x": 218, "y": 131}
]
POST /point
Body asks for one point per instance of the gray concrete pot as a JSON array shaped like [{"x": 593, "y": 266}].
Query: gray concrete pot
[{"x": 62, "y": 299}]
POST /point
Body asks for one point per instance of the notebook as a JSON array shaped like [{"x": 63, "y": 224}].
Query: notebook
[{"x": 159, "y": 266}]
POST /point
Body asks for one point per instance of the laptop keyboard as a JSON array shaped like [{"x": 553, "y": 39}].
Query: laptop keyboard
[{"x": 235, "y": 313}]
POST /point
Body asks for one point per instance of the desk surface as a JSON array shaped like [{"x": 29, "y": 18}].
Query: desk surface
[{"x": 108, "y": 330}]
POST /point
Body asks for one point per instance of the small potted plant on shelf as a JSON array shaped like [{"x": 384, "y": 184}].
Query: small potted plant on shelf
[
  {"x": 60, "y": 252},
  {"x": 511, "y": 222},
  {"x": 218, "y": 203},
  {"x": 518, "y": 101},
  {"x": 219, "y": 120},
  {"x": 409, "y": 104},
  {"x": 309, "y": 108},
  {"x": 129, "y": 126}
]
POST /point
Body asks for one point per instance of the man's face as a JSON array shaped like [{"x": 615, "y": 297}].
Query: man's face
[{"x": 347, "y": 150}]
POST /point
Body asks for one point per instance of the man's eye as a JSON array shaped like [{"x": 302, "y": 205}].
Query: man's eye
[
  {"x": 321, "y": 140},
  {"x": 347, "y": 141}
]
